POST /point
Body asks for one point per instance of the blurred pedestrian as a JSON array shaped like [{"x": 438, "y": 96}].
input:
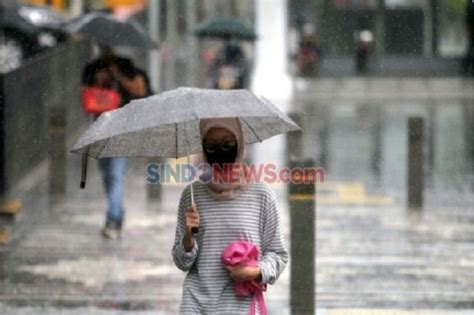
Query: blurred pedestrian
[
  {"x": 468, "y": 61},
  {"x": 116, "y": 75},
  {"x": 364, "y": 48},
  {"x": 229, "y": 69},
  {"x": 309, "y": 52},
  {"x": 226, "y": 210}
]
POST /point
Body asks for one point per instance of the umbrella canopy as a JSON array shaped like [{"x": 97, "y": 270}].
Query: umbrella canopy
[
  {"x": 167, "y": 125},
  {"x": 108, "y": 30},
  {"x": 225, "y": 28}
]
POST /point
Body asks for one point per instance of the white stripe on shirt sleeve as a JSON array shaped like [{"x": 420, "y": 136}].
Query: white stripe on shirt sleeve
[{"x": 274, "y": 252}]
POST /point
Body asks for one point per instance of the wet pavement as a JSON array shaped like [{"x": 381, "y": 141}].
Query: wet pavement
[
  {"x": 373, "y": 255},
  {"x": 371, "y": 251}
]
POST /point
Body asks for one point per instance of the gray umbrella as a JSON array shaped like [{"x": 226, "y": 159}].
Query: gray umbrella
[
  {"x": 108, "y": 30},
  {"x": 167, "y": 124}
]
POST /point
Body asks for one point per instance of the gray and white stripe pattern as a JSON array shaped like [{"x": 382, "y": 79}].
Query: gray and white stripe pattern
[{"x": 252, "y": 216}]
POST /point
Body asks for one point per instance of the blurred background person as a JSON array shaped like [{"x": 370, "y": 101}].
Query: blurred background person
[
  {"x": 364, "y": 48},
  {"x": 309, "y": 52},
  {"x": 118, "y": 75},
  {"x": 229, "y": 69}
]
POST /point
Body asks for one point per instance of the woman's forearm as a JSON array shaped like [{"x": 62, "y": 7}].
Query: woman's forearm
[
  {"x": 188, "y": 242},
  {"x": 272, "y": 265}
]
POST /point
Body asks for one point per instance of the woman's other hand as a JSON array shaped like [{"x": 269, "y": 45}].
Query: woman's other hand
[{"x": 243, "y": 273}]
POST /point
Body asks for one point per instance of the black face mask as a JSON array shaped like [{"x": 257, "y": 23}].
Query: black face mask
[{"x": 220, "y": 157}]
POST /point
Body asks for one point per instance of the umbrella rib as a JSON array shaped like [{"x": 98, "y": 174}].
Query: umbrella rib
[
  {"x": 248, "y": 125},
  {"x": 176, "y": 132}
]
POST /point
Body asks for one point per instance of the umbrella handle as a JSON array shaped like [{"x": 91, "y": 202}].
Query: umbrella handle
[
  {"x": 84, "y": 171},
  {"x": 194, "y": 230},
  {"x": 84, "y": 160}
]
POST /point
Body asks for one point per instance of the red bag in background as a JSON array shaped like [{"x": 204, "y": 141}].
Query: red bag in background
[{"x": 97, "y": 100}]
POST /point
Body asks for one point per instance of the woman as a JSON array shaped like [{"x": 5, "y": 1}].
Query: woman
[{"x": 225, "y": 211}]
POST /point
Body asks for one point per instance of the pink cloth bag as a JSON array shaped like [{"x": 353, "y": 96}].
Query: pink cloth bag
[{"x": 246, "y": 253}]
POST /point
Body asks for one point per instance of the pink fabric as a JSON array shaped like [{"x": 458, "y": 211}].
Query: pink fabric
[{"x": 246, "y": 253}]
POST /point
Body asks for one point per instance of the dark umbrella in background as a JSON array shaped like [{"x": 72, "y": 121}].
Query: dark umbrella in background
[
  {"x": 225, "y": 28},
  {"x": 26, "y": 30},
  {"x": 107, "y": 30}
]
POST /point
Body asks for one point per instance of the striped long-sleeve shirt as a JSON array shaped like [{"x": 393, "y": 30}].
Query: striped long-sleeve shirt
[{"x": 252, "y": 216}]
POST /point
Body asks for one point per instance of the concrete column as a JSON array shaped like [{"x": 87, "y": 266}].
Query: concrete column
[
  {"x": 220, "y": 7},
  {"x": 431, "y": 158},
  {"x": 171, "y": 42},
  {"x": 301, "y": 197},
  {"x": 57, "y": 151},
  {"x": 8, "y": 207},
  {"x": 294, "y": 140},
  {"x": 415, "y": 163},
  {"x": 226, "y": 8},
  {"x": 209, "y": 11},
  {"x": 234, "y": 12},
  {"x": 468, "y": 114},
  {"x": 194, "y": 51},
  {"x": 430, "y": 31},
  {"x": 376, "y": 154},
  {"x": 271, "y": 78},
  {"x": 57, "y": 112},
  {"x": 303, "y": 217},
  {"x": 323, "y": 137},
  {"x": 3, "y": 180},
  {"x": 77, "y": 7},
  {"x": 380, "y": 29},
  {"x": 154, "y": 8},
  {"x": 154, "y": 191},
  {"x": 434, "y": 26},
  {"x": 210, "y": 8},
  {"x": 154, "y": 64}
]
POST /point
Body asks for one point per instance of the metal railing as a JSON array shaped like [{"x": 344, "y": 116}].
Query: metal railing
[{"x": 38, "y": 102}]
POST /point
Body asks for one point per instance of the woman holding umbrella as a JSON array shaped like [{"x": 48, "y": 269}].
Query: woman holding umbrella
[
  {"x": 218, "y": 218},
  {"x": 232, "y": 209}
]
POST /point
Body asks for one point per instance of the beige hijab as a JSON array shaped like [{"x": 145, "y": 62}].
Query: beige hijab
[{"x": 226, "y": 190}]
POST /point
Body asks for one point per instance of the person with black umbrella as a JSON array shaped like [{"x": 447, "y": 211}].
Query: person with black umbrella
[
  {"x": 230, "y": 69},
  {"x": 117, "y": 75},
  {"x": 102, "y": 78}
]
